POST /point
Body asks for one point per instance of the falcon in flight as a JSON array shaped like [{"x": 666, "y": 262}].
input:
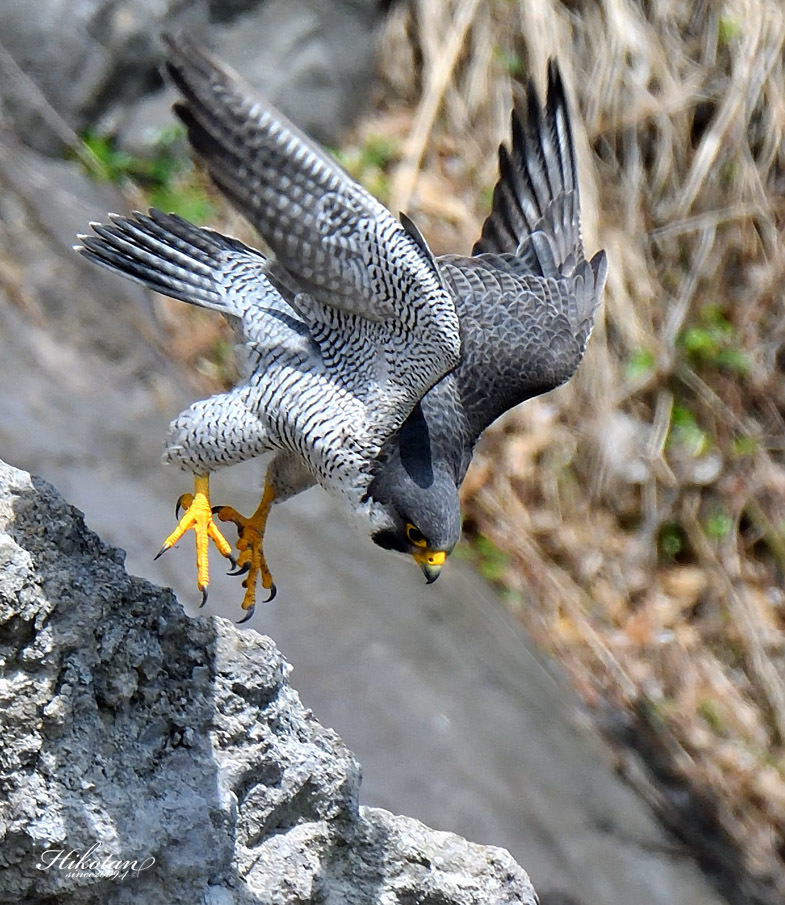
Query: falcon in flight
[{"x": 372, "y": 366}]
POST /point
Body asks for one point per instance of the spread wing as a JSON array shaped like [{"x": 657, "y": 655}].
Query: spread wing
[
  {"x": 527, "y": 297},
  {"x": 340, "y": 254},
  {"x": 200, "y": 266}
]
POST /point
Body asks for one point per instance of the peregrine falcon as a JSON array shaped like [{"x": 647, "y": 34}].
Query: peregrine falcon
[{"x": 372, "y": 365}]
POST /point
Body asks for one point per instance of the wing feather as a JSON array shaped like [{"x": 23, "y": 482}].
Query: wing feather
[
  {"x": 327, "y": 230},
  {"x": 538, "y": 180},
  {"x": 527, "y": 298}
]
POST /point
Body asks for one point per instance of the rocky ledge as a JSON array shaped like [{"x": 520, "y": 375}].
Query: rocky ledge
[{"x": 146, "y": 756}]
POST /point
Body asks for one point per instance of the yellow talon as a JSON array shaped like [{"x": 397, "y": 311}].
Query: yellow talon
[
  {"x": 250, "y": 543},
  {"x": 198, "y": 517}
]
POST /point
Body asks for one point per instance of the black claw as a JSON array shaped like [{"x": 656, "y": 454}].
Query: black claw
[
  {"x": 215, "y": 510},
  {"x": 273, "y": 592},
  {"x": 247, "y": 616},
  {"x": 204, "y": 598},
  {"x": 177, "y": 507},
  {"x": 240, "y": 570},
  {"x": 161, "y": 552}
]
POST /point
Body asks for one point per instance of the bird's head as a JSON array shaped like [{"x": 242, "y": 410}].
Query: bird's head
[
  {"x": 414, "y": 505},
  {"x": 423, "y": 521}
]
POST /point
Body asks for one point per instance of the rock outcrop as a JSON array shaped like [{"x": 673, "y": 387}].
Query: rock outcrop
[
  {"x": 146, "y": 756},
  {"x": 68, "y": 67}
]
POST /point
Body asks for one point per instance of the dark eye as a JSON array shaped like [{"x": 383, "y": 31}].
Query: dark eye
[{"x": 415, "y": 535}]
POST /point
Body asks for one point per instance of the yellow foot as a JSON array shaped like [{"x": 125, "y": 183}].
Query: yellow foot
[
  {"x": 199, "y": 517},
  {"x": 250, "y": 541}
]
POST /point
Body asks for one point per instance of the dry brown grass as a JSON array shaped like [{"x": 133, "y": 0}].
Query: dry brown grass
[{"x": 641, "y": 509}]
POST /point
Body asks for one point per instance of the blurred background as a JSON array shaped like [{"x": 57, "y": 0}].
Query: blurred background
[{"x": 598, "y": 685}]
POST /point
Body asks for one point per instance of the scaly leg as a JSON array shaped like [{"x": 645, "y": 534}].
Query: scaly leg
[
  {"x": 250, "y": 543},
  {"x": 198, "y": 517}
]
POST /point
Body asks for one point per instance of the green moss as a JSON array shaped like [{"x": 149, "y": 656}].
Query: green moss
[
  {"x": 728, "y": 29},
  {"x": 710, "y": 712},
  {"x": 492, "y": 562},
  {"x": 686, "y": 433},
  {"x": 718, "y": 525},
  {"x": 166, "y": 175},
  {"x": 745, "y": 445},
  {"x": 714, "y": 342},
  {"x": 486, "y": 196},
  {"x": 189, "y": 200},
  {"x": 509, "y": 60},
  {"x": 103, "y": 161},
  {"x": 369, "y": 164},
  {"x": 671, "y": 541},
  {"x": 640, "y": 364}
]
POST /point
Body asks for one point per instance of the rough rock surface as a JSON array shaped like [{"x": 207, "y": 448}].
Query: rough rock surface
[
  {"x": 68, "y": 66},
  {"x": 132, "y": 732}
]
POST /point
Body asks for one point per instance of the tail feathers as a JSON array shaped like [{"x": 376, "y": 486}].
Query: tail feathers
[
  {"x": 172, "y": 256},
  {"x": 537, "y": 189}
]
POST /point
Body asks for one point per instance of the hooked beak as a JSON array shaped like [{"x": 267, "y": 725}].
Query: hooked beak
[{"x": 431, "y": 562}]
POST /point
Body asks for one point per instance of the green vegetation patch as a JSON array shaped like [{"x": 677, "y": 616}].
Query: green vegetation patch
[
  {"x": 166, "y": 176},
  {"x": 714, "y": 342}
]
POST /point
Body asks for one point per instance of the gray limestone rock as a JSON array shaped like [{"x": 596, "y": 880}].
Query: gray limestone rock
[
  {"x": 66, "y": 67},
  {"x": 149, "y": 757}
]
